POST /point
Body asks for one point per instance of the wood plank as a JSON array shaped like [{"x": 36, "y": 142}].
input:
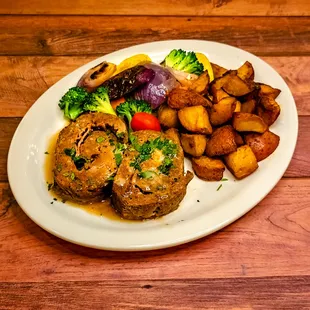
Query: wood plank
[
  {"x": 299, "y": 167},
  {"x": 24, "y": 78},
  {"x": 271, "y": 240},
  {"x": 162, "y": 7},
  {"x": 263, "y": 293},
  {"x": 94, "y": 35}
]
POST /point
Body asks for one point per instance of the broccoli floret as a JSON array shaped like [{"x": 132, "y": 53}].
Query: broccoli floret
[
  {"x": 99, "y": 101},
  {"x": 72, "y": 102},
  {"x": 130, "y": 107},
  {"x": 183, "y": 61}
]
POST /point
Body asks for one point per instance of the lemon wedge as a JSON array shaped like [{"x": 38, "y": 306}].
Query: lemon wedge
[
  {"x": 139, "y": 59},
  {"x": 206, "y": 64}
]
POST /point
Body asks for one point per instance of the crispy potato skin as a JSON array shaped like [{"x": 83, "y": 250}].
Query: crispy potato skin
[
  {"x": 246, "y": 71},
  {"x": 208, "y": 169},
  {"x": 218, "y": 71},
  {"x": 238, "y": 106},
  {"x": 168, "y": 117},
  {"x": 223, "y": 111},
  {"x": 201, "y": 84},
  {"x": 237, "y": 87},
  {"x": 180, "y": 98},
  {"x": 221, "y": 142},
  {"x": 262, "y": 145},
  {"x": 195, "y": 119},
  {"x": 267, "y": 90},
  {"x": 194, "y": 145},
  {"x": 238, "y": 138},
  {"x": 242, "y": 162},
  {"x": 248, "y": 106},
  {"x": 218, "y": 95},
  {"x": 268, "y": 109},
  {"x": 248, "y": 122}
]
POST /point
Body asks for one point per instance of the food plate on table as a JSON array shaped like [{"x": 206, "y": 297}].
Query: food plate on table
[{"x": 255, "y": 144}]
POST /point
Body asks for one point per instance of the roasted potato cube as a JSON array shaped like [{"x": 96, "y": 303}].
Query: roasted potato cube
[
  {"x": 223, "y": 111},
  {"x": 195, "y": 119},
  {"x": 262, "y": 145},
  {"x": 251, "y": 95},
  {"x": 218, "y": 71},
  {"x": 208, "y": 169},
  {"x": 168, "y": 117},
  {"x": 267, "y": 90},
  {"x": 248, "y": 122},
  {"x": 238, "y": 106},
  {"x": 248, "y": 106},
  {"x": 236, "y": 87},
  {"x": 268, "y": 109},
  {"x": 199, "y": 85},
  {"x": 194, "y": 145},
  {"x": 180, "y": 98},
  {"x": 242, "y": 162},
  {"x": 221, "y": 142},
  {"x": 218, "y": 95},
  {"x": 238, "y": 139},
  {"x": 246, "y": 71},
  {"x": 220, "y": 81}
]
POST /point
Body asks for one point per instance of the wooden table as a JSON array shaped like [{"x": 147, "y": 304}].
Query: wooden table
[{"x": 261, "y": 261}]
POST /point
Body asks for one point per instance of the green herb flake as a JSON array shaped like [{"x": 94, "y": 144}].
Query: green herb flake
[
  {"x": 49, "y": 186},
  {"x": 100, "y": 139},
  {"x": 66, "y": 174},
  {"x": 112, "y": 142},
  {"x": 118, "y": 158},
  {"x": 72, "y": 176},
  {"x": 224, "y": 179},
  {"x": 219, "y": 187},
  {"x": 147, "y": 174},
  {"x": 46, "y": 153},
  {"x": 59, "y": 167}
]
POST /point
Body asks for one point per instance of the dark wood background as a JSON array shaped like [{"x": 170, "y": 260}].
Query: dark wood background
[{"x": 261, "y": 261}]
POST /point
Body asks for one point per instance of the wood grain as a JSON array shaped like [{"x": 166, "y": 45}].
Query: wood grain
[
  {"x": 94, "y": 35},
  {"x": 271, "y": 240},
  {"x": 160, "y": 7},
  {"x": 23, "y": 79},
  {"x": 299, "y": 167},
  {"x": 256, "y": 293}
]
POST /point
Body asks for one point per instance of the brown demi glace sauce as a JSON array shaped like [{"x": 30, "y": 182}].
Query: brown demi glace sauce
[{"x": 102, "y": 208}]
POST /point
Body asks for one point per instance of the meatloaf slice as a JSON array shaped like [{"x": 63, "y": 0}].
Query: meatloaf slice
[
  {"x": 88, "y": 152},
  {"x": 150, "y": 181}
]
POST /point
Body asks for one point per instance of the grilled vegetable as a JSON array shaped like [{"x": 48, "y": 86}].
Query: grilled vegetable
[
  {"x": 95, "y": 76},
  {"x": 127, "y": 81},
  {"x": 183, "y": 61},
  {"x": 72, "y": 103},
  {"x": 145, "y": 121},
  {"x": 99, "y": 102}
]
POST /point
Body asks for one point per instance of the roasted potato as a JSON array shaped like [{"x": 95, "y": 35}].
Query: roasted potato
[
  {"x": 223, "y": 111},
  {"x": 242, "y": 162},
  {"x": 218, "y": 95},
  {"x": 208, "y": 169},
  {"x": 238, "y": 139},
  {"x": 238, "y": 106},
  {"x": 248, "y": 106},
  {"x": 200, "y": 85},
  {"x": 194, "y": 145},
  {"x": 268, "y": 109},
  {"x": 180, "y": 98},
  {"x": 246, "y": 71},
  {"x": 220, "y": 81},
  {"x": 248, "y": 122},
  {"x": 195, "y": 119},
  {"x": 262, "y": 145},
  {"x": 267, "y": 90},
  {"x": 236, "y": 87},
  {"x": 168, "y": 117},
  {"x": 218, "y": 71},
  {"x": 221, "y": 142}
]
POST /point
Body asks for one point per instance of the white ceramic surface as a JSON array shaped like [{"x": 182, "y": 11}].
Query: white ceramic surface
[{"x": 193, "y": 219}]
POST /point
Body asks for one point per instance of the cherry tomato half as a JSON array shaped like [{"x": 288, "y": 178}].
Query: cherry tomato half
[{"x": 144, "y": 121}]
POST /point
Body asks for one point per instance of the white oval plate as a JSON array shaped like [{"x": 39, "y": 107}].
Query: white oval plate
[{"x": 203, "y": 211}]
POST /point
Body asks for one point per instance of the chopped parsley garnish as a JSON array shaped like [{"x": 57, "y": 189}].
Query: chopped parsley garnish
[
  {"x": 147, "y": 174},
  {"x": 168, "y": 148},
  {"x": 100, "y": 139},
  {"x": 224, "y": 179},
  {"x": 72, "y": 176},
  {"x": 118, "y": 153},
  {"x": 79, "y": 161},
  {"x": 46, "y": 153},
  {"x": 219, "y": 187}
]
